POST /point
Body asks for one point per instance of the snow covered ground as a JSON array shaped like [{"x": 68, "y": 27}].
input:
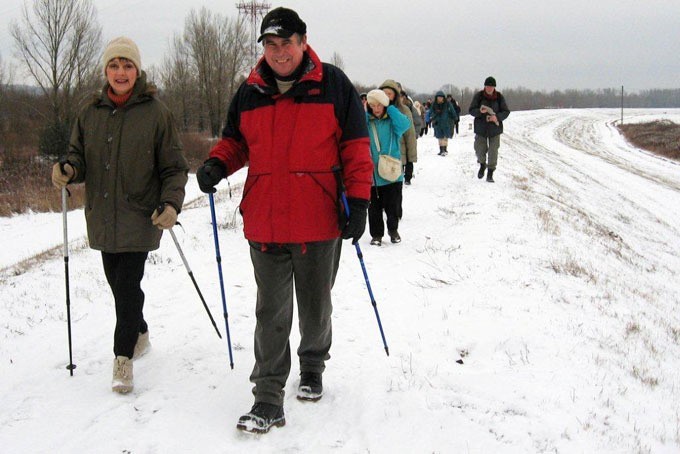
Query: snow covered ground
[{"x": 558, "y": 285}]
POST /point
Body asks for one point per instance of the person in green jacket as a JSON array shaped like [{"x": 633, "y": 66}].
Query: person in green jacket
[{"x": 125, "y": 148}]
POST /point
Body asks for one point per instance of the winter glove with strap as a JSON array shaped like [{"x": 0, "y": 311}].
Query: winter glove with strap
[
  {"x": 356, "y": 224},
  {"x": 209, "y": 174}
]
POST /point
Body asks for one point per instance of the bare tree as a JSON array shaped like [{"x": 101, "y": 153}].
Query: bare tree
[
  {"x": 58, "y": 42},
  {"x": 336, "y": 60},
  {"x": 179, "y": 82},
  {"x": 4, "y": 81},
  {"x": 217, "y": 49}
]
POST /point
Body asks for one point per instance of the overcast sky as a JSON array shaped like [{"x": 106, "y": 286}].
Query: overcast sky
[{"x": 537, "y": 44}]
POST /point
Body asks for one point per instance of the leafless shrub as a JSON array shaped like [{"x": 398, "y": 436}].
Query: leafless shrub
[
  {"x": 661, "y": 137},
  {"x": 196, "y": 147}
]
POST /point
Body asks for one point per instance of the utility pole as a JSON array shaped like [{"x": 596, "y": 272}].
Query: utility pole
[
  {"x": 621, "y": 104},
  {"x": 253, "y": 12}
]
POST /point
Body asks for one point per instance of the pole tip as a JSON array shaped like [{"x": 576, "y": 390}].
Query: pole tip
[
  {"x": 387, "y": 350},
  {"x": 70, "y": 368}
]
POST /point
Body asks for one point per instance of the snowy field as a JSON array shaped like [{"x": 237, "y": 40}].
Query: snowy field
[{"x": 558, "y": 285}]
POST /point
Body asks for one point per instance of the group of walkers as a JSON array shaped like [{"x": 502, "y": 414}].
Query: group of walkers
[{"x": 319, "y": 164}]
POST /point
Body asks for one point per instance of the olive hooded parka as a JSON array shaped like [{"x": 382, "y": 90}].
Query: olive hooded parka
[{"x": 131, "y": 160}]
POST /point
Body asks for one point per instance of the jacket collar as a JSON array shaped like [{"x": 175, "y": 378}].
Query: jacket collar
[{"x": 141, "y": 92}]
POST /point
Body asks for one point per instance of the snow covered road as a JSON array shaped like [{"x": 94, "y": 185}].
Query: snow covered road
[{"x": 558, "y": 284}]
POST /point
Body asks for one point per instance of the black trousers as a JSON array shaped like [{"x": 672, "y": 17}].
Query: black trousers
[
  {"x": 124, "y": 272},
  {"x": 388, "y": 199},
  {"x": 408, "y": 171}
]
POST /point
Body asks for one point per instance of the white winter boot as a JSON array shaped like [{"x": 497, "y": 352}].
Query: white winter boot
[
  {"x": 142, "y": 346},
  {"x": 122, "y": 375}
]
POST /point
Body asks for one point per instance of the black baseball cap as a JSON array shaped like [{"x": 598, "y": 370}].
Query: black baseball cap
[{"x": 281, "y": 22}]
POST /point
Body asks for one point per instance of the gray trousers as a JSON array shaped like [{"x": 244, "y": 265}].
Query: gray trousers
[
  {"x": 311, "y": 268},
  {"x": 490, "y": 146}
]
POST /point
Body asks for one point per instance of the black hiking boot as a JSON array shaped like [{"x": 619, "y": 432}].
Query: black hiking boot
[
  {"x": 376, "y": 241},
  {"x": 261, "y": 418},
  {"x": 394, "y": 236},
  {"x": 442, "y": 151},
  {"x": 310, "y": 387},
  {"x": 489, "y": 176},
  {"x": 482, "y": 168}
]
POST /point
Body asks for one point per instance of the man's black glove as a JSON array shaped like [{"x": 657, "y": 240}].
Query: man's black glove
[
  {"x": 209, "y": 174},
  {"x": 357, "y": 219}
]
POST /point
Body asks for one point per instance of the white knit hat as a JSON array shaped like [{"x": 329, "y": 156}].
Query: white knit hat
[
  {"x": 122, "y": 47},
  {"x": 377, "y": 97}
]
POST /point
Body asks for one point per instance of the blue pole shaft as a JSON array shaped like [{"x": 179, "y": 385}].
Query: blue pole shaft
[
  {"x": 219, "y": 269},
  {"x": 368, "y": 284}
]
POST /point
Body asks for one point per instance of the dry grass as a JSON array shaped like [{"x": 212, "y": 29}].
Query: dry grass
[
  {"x": 25, "y": 184},
  {"x": 548, "y": 222},
  {"x": 25, "y": 178},
  {"x": 572, "y": 267},
  {"x": 661, "y": 137}
]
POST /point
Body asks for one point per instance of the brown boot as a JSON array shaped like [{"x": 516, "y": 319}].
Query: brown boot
[
  {"x": 122, "y": 375},
  {"x": 142, "y": 346}
]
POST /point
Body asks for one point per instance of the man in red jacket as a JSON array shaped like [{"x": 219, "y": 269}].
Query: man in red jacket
[{"x": 295, "y": 121}]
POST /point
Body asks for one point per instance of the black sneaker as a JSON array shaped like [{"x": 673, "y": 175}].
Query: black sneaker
[
  {"x": 261, "y": 418},
  {"x": 376, "y": 241},
  {"x": 394, "y": 236},
  {"x": 310, "y": 387}
]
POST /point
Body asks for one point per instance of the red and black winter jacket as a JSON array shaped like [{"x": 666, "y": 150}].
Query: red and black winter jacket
[{"x": 291, "y": 142}]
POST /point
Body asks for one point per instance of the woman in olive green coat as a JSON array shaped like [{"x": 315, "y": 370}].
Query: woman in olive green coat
[{"x": 126, "y": 150}]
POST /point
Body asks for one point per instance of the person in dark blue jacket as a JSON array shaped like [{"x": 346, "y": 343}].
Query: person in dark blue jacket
[{"x": 443, "y": 118}]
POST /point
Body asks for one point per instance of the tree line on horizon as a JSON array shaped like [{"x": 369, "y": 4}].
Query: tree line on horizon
[{"x": 59, "y": 44}]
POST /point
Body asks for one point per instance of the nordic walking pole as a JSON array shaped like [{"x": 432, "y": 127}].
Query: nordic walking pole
[
  {"x": 219, "y": 269},
  {"x": 341, "y": 186},
  {"x": 64, "y": 210},
  {"x": 191, "y": 274}
]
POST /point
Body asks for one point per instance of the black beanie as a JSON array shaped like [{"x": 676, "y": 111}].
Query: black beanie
[{"x": 490, "y": 82}]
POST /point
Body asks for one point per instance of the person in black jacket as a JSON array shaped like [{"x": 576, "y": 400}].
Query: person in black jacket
[{"x": 489, "y": 109}]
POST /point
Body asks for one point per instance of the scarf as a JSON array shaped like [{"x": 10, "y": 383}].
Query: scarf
[
  {"x": 118, "y": 100},
  {"x": 492, "y": 97}
]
